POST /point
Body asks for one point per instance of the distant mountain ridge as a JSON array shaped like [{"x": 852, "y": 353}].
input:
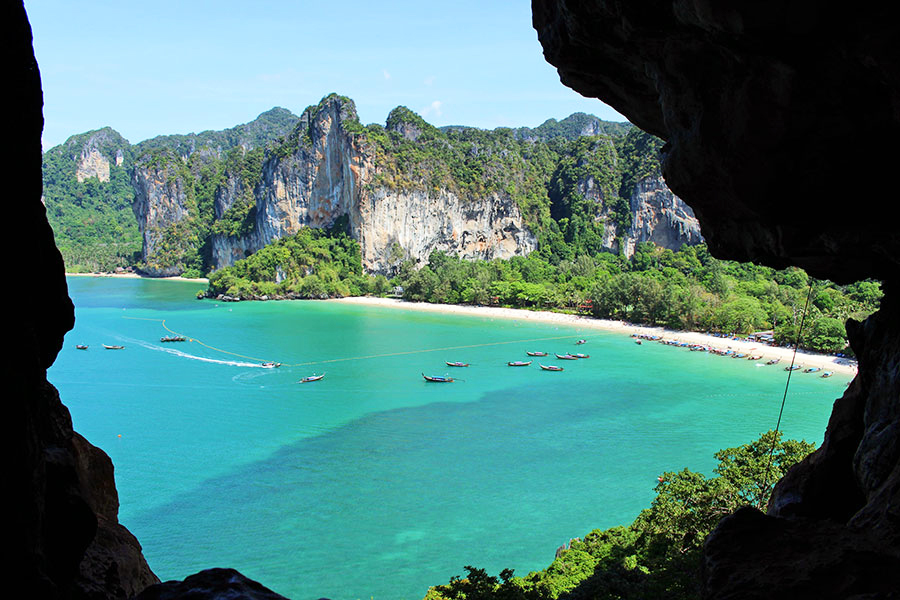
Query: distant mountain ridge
[{"x": 197, "y": 202}]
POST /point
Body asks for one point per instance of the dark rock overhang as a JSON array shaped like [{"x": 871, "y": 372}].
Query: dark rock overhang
[{"x": 779, "y": 117}]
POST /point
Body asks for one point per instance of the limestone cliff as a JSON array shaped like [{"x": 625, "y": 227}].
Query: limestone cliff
[
  {"x": 200, "y": 202},
  {"x": 661, "y": 217},
  {"x": 161, "y": 206},
  {"x": 327, "y": 170},
  {"x": 408, "y": 189},
  {"x": 419, "y": 222}
]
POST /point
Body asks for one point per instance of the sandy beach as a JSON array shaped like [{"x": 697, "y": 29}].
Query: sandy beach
[
  {"x": 136, "y": 276},
  {"x": 804, "y": 359}
]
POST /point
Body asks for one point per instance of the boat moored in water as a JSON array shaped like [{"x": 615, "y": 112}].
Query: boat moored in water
[
  {"x": 519, "y": 363},
  {"x": 312, "y": 377},
  {"x": 773, "y": 361},
  {"x": 812, "y": 370},
  {"x": 827, "y": 374},
  {"x": 536, "y": 353},
  {"x": 566, "y": 357},
  {"x": 456, "y": 364},
  {"x": 81, "y": 346},
  {"x": 579, "y": 342},
  {"x": 551, "y": 368},
  {"x": 793, "y": 368},
  {"x": 581, "y": 355},
  {"x": 437, "y": 378},
  {"x": 112, "y": 347}
]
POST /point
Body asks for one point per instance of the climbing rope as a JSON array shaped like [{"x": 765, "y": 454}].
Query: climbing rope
[{"x": 787, "y": 384}]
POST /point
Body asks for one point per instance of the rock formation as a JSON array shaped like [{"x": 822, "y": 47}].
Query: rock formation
[
  {"x": 162, "y": 210},
  {"x": 329, "y": 167},
  {"x": 65, "y": 538},
  {"x": 755, "y": 102},
  {"x": 330, "y": 174},
  {"x": 661, "y": 217}
]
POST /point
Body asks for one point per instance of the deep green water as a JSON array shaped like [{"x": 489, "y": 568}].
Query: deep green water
[{"x": 373, "y": 482}]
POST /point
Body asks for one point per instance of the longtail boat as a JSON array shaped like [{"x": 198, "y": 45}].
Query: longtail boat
[
  {"x": 81, "y": 346},
  {"x": 827, "y": 374},
  {"x": 579, "y": 342},
  {"x": 793, "y": 368},
  {"x": 112, "y": 347},
  {"x": 456, "y": 364},
  {"x": 536, "y": 353},
  {"x": 581, "y": 355},
  {"x": 519, "y": 363},
  {"x": 173, "y": 338},
  {"x": 551, "y": 368},
  {"x": 773, "y": 361},
  {"x": 566, "y": 357},
  {"x": 312, "y": 378},
  {"x": 437, "y": 378},
  {"x": 812, "y": 370}
]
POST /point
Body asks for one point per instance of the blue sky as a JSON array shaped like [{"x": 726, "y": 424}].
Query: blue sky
[{"x": 151, "y": 68}]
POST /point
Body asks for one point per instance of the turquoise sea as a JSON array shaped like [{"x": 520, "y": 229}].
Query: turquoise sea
[{"x": 373, "y": 483}]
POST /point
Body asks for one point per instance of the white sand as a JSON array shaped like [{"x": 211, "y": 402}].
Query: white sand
[
  {"x": 804, "y": 359},
  {"x": 136, "y": 276}
]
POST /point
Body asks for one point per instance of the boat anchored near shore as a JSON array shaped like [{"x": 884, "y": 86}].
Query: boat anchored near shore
[{"x": 438, "y": 378}]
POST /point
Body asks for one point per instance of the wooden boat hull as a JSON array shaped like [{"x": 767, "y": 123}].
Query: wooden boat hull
[
  {"x": 312, "y": 378},
  {"x": 551, "y": 368},
  {"x": 519, "y": 363},
  {"x": 437, "y": 379}
]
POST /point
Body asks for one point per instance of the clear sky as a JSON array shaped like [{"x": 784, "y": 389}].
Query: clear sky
[{"x": 147, "y": 68}]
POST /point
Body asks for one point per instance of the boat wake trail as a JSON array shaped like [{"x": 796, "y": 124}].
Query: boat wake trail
[{"x": 218, "y": 361}]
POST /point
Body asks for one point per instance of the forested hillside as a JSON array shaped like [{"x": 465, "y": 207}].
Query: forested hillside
[
  {"x": 176, "y": 198},
  {"x": 571, "y": 215},
  {"x": 89, "y": 190}
]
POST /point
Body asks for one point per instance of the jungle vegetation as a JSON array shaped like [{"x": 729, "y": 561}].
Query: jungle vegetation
[{"x": 658, "y": 555}]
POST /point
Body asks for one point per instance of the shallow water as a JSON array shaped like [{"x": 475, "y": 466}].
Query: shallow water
[{"x": 373, "y": 482}]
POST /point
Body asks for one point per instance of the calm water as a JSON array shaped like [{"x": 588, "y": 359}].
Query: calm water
[{"x": 373, "y": 482}]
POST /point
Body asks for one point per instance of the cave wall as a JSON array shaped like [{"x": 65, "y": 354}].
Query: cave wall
[
  {"x": 774, "y": 116},
  {"x": 778, "y": 120},
  {"x": 65, "y": 535}
]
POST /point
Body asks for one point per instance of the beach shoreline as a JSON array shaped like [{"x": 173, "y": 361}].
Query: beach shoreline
[
  {"x": 803, "y": 358},
  {"x": 136, "y": 276},
  {"x": 784, "y": 355}
]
